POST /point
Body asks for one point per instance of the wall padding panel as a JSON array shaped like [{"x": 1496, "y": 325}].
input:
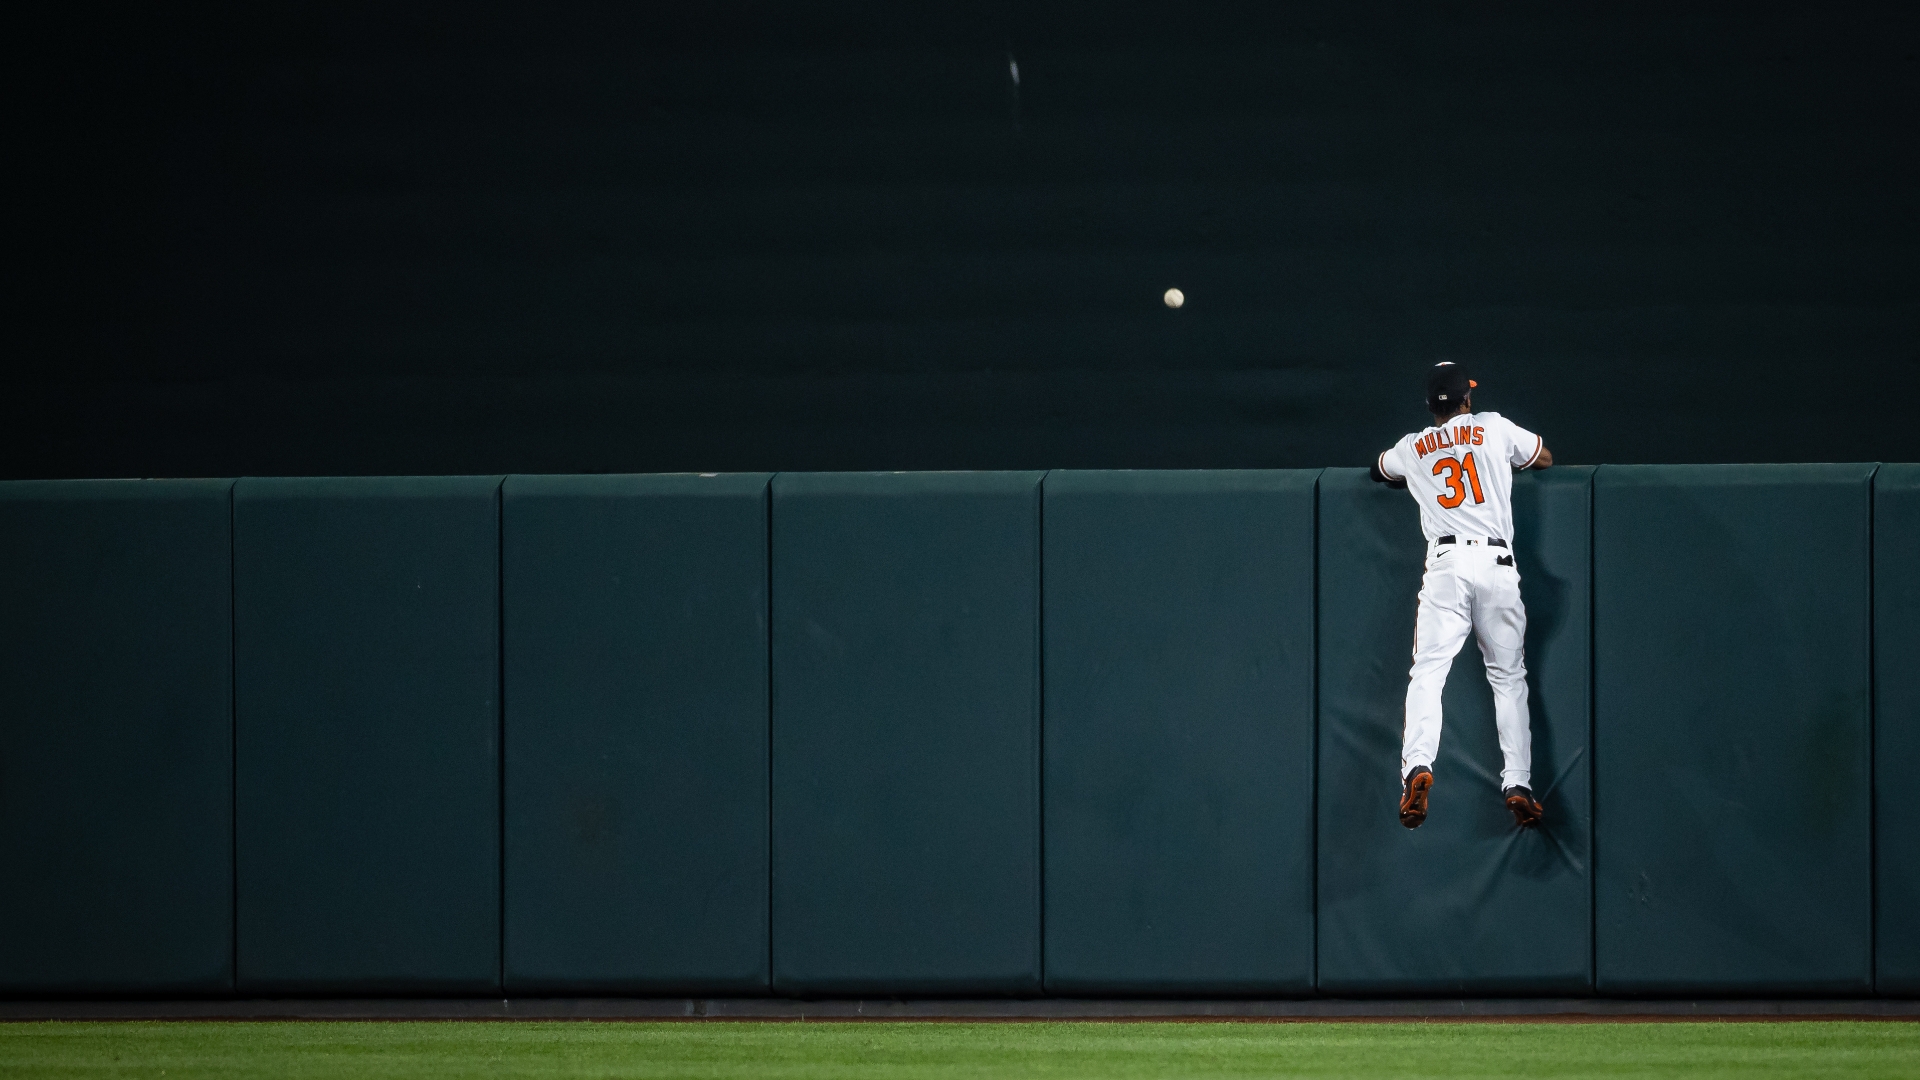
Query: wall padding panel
[
  {"x": 1468, "y": 903},
  {"x": 636, "y": 733},
  {"x": 906, "y": 733},
  {"x": 1732, "y": 817},
  {"x": 1179, "y": 732},
  {"x": 366, "y": 650},
  {"x": 1896, "y": 726},
  {"x": 116, "y": 737}
]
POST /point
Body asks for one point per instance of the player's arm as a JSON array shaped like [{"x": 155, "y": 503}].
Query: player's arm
[
  {"x": 1377, "y": 472},
  {"x": 1529, "y": 450}
]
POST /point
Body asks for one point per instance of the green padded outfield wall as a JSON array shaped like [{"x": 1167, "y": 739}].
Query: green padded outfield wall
[
  {"x": 1731, "y": 751},
  {"x": 1179, "y": 732},
  {"x": 635, "y": 614},
  {"x": 906, "y": 733},
  {"x": 366, "y": 663},
  {"x": 1468, "y": 903},
  {"x": 1896, "y": 726},
  {"x": 116, "y": 737}
]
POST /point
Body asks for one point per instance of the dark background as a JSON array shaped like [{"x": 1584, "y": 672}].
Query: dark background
[{"x": 449, "y": 237}]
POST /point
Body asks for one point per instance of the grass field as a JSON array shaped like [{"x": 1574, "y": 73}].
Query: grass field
[{"x": 913, "y": 1051}]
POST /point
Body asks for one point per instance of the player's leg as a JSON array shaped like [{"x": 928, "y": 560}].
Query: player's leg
[
  {"x": 1445, "y": 616},
  {"x": 1440, "y": 628},
  {"x": 1500, "y": 625}
]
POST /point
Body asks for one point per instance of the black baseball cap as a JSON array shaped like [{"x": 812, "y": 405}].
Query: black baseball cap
[{"x": 1447, "y": 387}]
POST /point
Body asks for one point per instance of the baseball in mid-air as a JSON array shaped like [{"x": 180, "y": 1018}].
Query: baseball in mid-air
[{"x": 1174, "y": 298}]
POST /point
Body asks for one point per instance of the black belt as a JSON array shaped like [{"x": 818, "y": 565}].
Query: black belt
[{"x": 1492, "y": 541}]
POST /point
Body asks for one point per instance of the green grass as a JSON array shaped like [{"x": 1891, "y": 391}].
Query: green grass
[{"x": 924, "y": 1051}]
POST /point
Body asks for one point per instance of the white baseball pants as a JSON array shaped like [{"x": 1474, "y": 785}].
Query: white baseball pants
[{"x": 1467, "y": 588}]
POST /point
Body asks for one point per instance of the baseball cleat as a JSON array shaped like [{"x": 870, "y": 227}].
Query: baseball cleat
[
  {"x": 1413, "y": 796},
  {"x": 1526, "y": 812}
]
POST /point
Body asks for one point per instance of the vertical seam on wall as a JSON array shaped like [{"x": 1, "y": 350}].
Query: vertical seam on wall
[
  {"x": 1313, "y": 679},
  {"x": 1593, "y": 739},
  {"x": 766, "y": 506},
  {"x": 1873, "y": 717},
  {"x": 233, "y": 742},
  {"x": 1040, "y": 717},
  {"x": 500, "y": 715}
]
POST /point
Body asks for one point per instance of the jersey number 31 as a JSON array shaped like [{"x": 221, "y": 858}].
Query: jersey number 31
[{"x": 1451, "y": 470}]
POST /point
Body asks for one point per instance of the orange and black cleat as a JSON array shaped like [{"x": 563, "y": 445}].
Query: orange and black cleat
[
  {"x": 1413, "y": 796},
  {"x": 1526, "y": 812}
]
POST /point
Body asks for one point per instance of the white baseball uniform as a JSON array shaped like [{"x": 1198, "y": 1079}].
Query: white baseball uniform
[{"x": 1461, "y": 474}]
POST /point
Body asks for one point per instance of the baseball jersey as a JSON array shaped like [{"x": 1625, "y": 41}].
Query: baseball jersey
[{"x": 1461, "y": 473}]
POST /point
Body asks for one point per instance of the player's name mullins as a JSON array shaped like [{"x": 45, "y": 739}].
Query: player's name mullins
[{"x": 1442, "y": 439}]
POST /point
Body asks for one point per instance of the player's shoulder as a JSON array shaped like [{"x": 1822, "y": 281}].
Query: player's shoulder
[{"x": 1401, "y": 454}]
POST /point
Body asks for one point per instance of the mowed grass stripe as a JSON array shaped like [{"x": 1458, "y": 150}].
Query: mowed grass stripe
[{"x": 720, "y": 1050}]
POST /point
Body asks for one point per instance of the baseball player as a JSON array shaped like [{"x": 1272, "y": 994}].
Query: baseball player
[{"x": 1460, "y": 471}]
